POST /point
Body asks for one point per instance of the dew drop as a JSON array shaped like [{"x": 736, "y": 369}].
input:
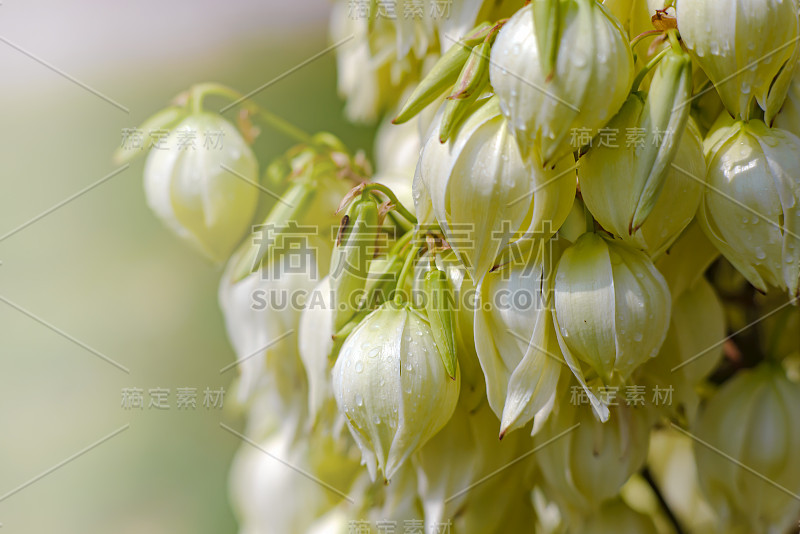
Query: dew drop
[
  {"x": 637, "y": 337},
  {"x": 376, "y": 420},
  {"x": 359, "y": 366},
  {"x": 359, "y": 400}
]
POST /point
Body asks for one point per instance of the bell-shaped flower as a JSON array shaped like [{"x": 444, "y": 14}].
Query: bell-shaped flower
[
  {"x": 392, "y": 387},
  {"x": 642, "y": 189},
  {"x": 551, "y": 105},
  {"x": 747, "y": 439},
  {"x": 206, "y": 194},
  {"x": 590, "y": 461},
  {"x": 744, "y": 46},
  {"x": 516, "y": 342},
  {"x": 485, "y": 195},
  {"x": 751, "y": 207},
  {"x": 612, "y": 306}
]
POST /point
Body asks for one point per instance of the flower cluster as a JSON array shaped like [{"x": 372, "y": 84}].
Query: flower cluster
[{"x": 471, "y": 311}]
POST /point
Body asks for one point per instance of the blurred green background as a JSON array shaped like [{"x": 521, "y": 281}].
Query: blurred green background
[{"x": 103, "y": 270}]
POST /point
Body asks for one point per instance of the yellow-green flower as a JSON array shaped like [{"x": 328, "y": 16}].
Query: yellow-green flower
[
  {"x": 392, "y": 387},
  {"x": 751, "y": 207},
  {"x": 201, "y": 192},
  {"x": 743, "y": 46},
  {"x": 485, "y": 195},
  {"x": 612, "y": 306},
  {"x": 752, "y": 420},
  {"x": 590, "y": 79}
]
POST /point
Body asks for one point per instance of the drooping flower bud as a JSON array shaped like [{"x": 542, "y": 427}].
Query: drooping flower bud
[
  {"x": 483, "y": 193},
  {"x": 751, "y": 207},
  {"x": 612, "y": 307},
  {"x": 625, "y": 181},
  {"x": 743, "y": 46},
  {"x": 589, "y": 461},
  {"x": 592, "y": 75},
  {"x": 746, "y": 451},
  {"x": 206, "y": 195},
  {"x": 609, "y": 190},
  {"x": 392, "y": 387}
]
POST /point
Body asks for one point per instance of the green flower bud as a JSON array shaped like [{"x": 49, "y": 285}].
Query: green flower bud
[
  {"x": 443, "y": 74},
  {"x": 471, "y": 82},
  {"x": 618, "y": 181},
  {"x": 616, "y": 517},
  {"x": 473, "y": 382},
  {"x": 751, "y": 208},
  {"x": 484, "y": 195},
  {"x": 752, "y": 420},
  {"x": 439, "y": 304},
  {"x": 592, "y": 76},
  {"x": 354, "y": 248},
  {"x": 590, "y": 463},
  {"x": 743, "y": 46},
  {"x": 612, "y": 307},
  {"x": 390, "y": 384},
  {"x": 205, "y": 195}
]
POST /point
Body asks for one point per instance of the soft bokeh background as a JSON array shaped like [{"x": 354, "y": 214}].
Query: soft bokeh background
[{"x": 102, "y": 269}]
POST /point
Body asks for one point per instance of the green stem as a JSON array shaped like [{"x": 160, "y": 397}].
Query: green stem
[
  {"x": 647, "y": 68},
  {"x": 402, "y": 210},
  {"x": 642, "y": 36},
  {"x": 200, "y": 91},
  {"x": 401, "y": 279},
  {"x": 402, "y": 242},
  {"x": 673, "y": 40},
  {"x": 282, "y": 126}
]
